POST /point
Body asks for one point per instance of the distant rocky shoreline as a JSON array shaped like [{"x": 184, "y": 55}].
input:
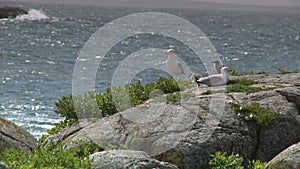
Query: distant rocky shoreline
[{"x": 11, "y": 12}]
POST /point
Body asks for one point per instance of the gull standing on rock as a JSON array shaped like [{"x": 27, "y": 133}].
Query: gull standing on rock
[
  {"x": 216, "y": 80},
  {"x": 218, "y": 65},
  {"x": 173, "y": 66}
]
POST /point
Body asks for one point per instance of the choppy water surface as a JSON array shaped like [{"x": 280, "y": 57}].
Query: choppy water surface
[{"x": 37, "y": 57}]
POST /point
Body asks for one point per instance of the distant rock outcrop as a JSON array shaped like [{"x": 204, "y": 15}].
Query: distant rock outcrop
[
  {"x": 186, "y": 134},
  {"x": 11, "y": 12},
  {"x": 287, "y": 159},
  {"x": 127, "y": 159},
  {"x": 13, "y": 136}
]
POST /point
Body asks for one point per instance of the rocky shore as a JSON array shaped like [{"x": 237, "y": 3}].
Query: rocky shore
[
  {"x": 11, "y": 12},
  {"x": 184, "y": 134}
]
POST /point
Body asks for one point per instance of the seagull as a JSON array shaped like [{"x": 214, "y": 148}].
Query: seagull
[
  {"x": 174, "y": 67},
  {"x": 194, "y": 77},
  {"x": 216, "y": 80},
  {"x": 218, "y": 65}
]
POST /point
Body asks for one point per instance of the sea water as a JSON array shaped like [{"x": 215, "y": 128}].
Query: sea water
[{"x": 38, "y": 51}]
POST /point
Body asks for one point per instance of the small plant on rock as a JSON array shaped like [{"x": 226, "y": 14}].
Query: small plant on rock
[
  {"x": 233, "y": 161},
  {"x": 256, "y": 113},
  {"x": 223, "y": 161}
]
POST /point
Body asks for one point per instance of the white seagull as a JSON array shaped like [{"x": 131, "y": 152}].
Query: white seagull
[
  {"x": 218, "y": 65},
  {"x": 216, "y": 80},
  {"x": 174, "y": 67}
]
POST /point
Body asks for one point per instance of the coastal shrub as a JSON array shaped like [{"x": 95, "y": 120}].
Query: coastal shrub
[
  {"x": 243, "y": 81},
  {"x": 113, "y": 100},
  {"x": 256, "y": 164},
  {"x": 256, "y": 113},
  {"x": 233, "y": 161},
  {"x": 235, "y": 73},
  {"x": 223, "y": 161},
  {"x": 108, "y": 100},
  {"x": 241, "y": 85},
  {"x": 51, "y": 157},
  {"x": 137, "y": 94},
  {"x": 65, "y": 107},
  {"x": 167, "y": 85},
  {"x": 177, "y": 97},
  {"x": 283, "y": 71},
  {"x": 241, "y": 88},
  {"x": 84, "y": 149}
]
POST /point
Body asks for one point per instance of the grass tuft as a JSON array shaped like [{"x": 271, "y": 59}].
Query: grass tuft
[{"x": 263, "y": 117}]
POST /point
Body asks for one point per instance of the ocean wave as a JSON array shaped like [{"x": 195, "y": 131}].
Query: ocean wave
[{"x": 33, "y": 15}]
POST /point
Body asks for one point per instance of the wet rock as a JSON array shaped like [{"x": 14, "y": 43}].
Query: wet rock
[
  {"x": 13, "y": 136},
  {"x": 11, "y": 12}
]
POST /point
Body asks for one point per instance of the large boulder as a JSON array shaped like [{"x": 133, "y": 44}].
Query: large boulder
[
  {"x": 287, "y": 159},
  {"x": 119, "y": 159},
  {"x": 187, "y": 133},
  {"x": 13, "y": 136},
  {"x": 11, "y": 12}
]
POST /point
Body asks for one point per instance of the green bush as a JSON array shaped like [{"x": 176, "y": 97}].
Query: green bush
[
  {"x": 65, "y": 107},
  {"x": 137, "y": 94},
  {"x": 113, "y": 100},
  {"x": 256, "y": 113},
  {"x": 167, "y": 85},
  {"x": 222, "y": 161},
  {"x": 108, "y": 100},
  {"x": 233, "y": 161},
  {"x": 256, "y": 164},
  {"x": 51, "y": 157}
]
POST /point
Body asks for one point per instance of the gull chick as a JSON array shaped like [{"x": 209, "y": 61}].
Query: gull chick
[
  {"x": 194, "y": 77},
  {"x": 218, "y": 65},
  {"x": 173, "y": 66},
  {"x": 216, "y": 80}
]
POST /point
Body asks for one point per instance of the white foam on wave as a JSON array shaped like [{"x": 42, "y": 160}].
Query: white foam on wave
[{"x": 33, "y": 15}]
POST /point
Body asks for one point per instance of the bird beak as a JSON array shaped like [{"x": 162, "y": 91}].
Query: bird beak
[
  {"x": 170, "y": 51},
  {"x": 230, "y": 70}
]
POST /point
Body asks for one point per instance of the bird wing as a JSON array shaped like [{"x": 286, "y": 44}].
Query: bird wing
[
  {"x": 180, "y": 67},
  {"x": 204, "y": 80},
  {"x": 213, "y": 80}
]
